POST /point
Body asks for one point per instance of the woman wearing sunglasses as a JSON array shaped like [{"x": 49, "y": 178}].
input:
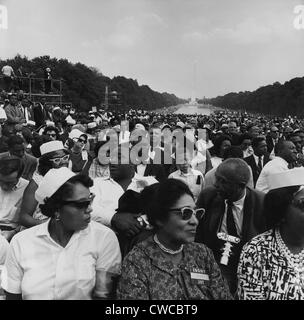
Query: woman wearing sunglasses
[
  {"x": 169, "y": 265},
  {"x": 80, "y": 160},
  {"x": 67, "y": 257},
  {"x": 272, "y": 264},
  {"x": 53, "y": 155}
]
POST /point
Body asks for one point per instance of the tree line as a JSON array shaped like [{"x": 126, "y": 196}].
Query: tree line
[
  {"x": 276, "y": 99},
  {"x": 85, "y": 86}
]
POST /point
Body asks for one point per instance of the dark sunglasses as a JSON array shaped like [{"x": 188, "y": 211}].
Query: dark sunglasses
[
  {"x": 186, "y": 213},
  {"x": 80, "y": 204},
  {"x": 82, "y": 141},
  {"x": 51, "y": 135}
]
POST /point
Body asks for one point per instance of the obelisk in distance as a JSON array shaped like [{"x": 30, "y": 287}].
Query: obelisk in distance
[{"x": 193, "y": 95}]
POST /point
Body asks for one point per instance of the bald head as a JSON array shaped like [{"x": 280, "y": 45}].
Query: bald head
[{"x": 234, "y": 170}]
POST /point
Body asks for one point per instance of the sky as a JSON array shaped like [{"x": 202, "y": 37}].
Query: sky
[{"x": 186, "y": 47}]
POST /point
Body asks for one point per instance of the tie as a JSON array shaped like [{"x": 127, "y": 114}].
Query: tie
[
  {"x": 231, "y": 228},
  {"x": 260, "y": 164}
]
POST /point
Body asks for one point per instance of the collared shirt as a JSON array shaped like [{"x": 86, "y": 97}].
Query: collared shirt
[
  {"x": 256, "y": 158},
  {"x": 39, "y": 268},
  {"x": 107, "y": 193},
  {"x": 237, "y": 211},
  {"x": 10, "y": 203},
  {"x": 276, "y": 165},
  {"x": 98, "y": 170},
  {"x": 191, "y": 179},
  {"x": 147, "y": 274},
  {"x": 141, "y": 168}
]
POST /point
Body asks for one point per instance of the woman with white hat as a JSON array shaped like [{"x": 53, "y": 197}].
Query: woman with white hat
[
  {"x": 272, "y": 264},
  {"x": 68, "y": 257},
  {"x": 53, "y": 155}
]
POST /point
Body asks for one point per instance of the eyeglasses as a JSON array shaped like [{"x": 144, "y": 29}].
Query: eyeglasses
[
  {"x": 82, "y": 141},
  {"x": 186, "y": 213},
  {"x": 80, "y": 204},
  {"x": 51, "y": 135},
  {"x": 60, "y": 160}
]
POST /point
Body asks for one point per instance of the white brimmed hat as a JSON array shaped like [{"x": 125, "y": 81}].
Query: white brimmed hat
[
  {"x": 70, "y": 120},
  {"x": 288, "y": 178},
  {"x": 51, "y": 182},
  {"x": 49, "y": 123},
  {"x": 2, "y": 113},
  {"x": 31, "y": 123},
  {"x": 75, "y": 133},
  {"x": 92, "y": 125},
  {"x": 51, "y": 146}
]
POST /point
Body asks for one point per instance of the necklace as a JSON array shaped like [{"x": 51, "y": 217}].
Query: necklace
[
  {"x": 294, "y": 260},
  {"x": 163, "y": 248}
]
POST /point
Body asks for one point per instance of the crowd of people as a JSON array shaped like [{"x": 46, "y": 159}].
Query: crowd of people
[{"x": 147, "y": 205}]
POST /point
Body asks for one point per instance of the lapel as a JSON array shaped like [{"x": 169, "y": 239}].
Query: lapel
[
  {"x": 217, "y": 211},
  {"x": 247, "y": 212}
]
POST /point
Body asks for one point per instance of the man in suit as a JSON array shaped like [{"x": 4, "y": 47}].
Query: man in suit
[
  {"x": 271, "y": 139},
  {"x": 259, "y": 157},
  {"x": 13, "y": 111},
  {"x": 40, "y": 113},
  {"x": 27, "y": 110},
  {"x": 231, "y": 209},
  {"x": 16, "y": 148}
]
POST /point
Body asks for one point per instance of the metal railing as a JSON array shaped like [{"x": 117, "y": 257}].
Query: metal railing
[{"x": 35, "y": 87}]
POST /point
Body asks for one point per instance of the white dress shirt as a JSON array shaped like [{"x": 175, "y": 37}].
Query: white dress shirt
[
  {"x": 276, "y": 165},
  {"x": 237, "y": 211},
  {"x": 107, "y": 193},
  {"x": 190, "y": 179},
  {"x": 10, "y": 203},
  {"x": 40, "y": 269},
  {"x": 256, "y": 159}
]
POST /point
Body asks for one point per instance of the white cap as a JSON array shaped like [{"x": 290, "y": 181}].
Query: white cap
[
  {"x": 288, "y": 178},
  {"x": 140, "y": 126},
  {"x": 70, "y": 120},
  {"x": 2, "y": 114},
  {"x": 92, "y": 125},
  {"x": 49, "y": 123},
  {"x": 180, "y": 124},
  {"x": 31, "y": 123},
  {"x": 51, "y": 182},
  {"x": 75, "y": 133},
  {"x": 51, "y": 146},
  {"x": 56, "y": 108}
]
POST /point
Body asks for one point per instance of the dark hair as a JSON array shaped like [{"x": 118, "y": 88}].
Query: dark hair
[
  {"x": 44, "y": 163},
  {"x": 279, "y": 146},
  {"x": 276, "y": 204},
  {"x": 14, "y": 140},
  {"x": 98, "y": 145},
  {"x": 167, "y": 194},
  {"x": 37, "y": 143},
  {"x": 11, "y": 164},
  {"x": 54, "y": 203},
  {"x": 233, "y": 152},
  {"x": 218, "y": 142},
  {"x": 244, "y": 136},
  {"x": 257, "y": 140},
  {"x": 51, "y": 128}
]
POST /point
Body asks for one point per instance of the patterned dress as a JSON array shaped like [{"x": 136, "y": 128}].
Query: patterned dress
[
  {"x": 148, "y": 274},
  {"x": 264, "y": 273}
]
